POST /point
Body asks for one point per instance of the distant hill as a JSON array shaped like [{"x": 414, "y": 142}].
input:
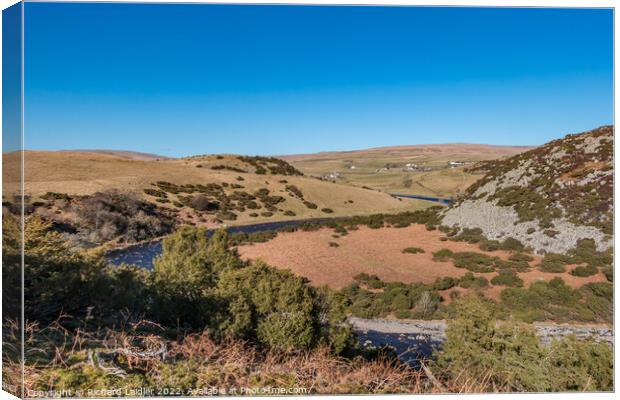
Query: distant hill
[
  {"x": 432, "y": 169},
  {"x": 448, "y": 149},
  {"x": 130, "y": 155},
  {"x": 548, "y": 198}
]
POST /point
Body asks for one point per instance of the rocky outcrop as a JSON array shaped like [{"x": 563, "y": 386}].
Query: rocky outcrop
[{"x": 548, "y": 198}]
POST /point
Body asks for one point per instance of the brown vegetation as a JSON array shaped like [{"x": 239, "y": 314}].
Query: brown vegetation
[{"x": 380, "y": 252}]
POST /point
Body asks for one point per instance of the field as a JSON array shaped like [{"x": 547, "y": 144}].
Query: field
[
  {"x": 422, "y": 169},
  {"x": 380, "y": 252}
]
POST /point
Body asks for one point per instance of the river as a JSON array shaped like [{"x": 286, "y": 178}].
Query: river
[{"x": 442, "y": 200}]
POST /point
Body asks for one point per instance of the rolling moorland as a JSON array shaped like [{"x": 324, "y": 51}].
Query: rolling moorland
[
  {"x": 94, "y": 195},
  {"x": 270, "y": 309},
  {"x": 435, "y": 170}
]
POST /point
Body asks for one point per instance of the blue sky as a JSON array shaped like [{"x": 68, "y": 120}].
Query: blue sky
[{"x": 189, "y": 79}]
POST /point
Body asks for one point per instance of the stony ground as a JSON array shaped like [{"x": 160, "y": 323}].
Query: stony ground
[{"x": 435, "y": 330}]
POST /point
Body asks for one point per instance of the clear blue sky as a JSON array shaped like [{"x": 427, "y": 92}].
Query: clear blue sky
[{"x": 190, "y": 79}]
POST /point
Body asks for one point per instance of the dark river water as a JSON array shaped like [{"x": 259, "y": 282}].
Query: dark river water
[
  {"x": 442, "y": 200},
  {"x": 409, "y": 347}
]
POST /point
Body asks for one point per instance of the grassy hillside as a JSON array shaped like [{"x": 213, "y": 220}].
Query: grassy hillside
[
  {"x": 423, "y": 169},
  {"x": 549, "y": 198},
  {"x": 202, "y": 190}
]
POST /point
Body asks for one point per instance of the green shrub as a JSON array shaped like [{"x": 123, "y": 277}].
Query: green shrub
[
  {"x": 310, "y": 205},
  {"x": 239, "y": 238},
  {"x": 56, "y": 196},
  {"x": 402, "y": 314},
  {"x": 489, "y": 245},
  {"x": 520, "y": 266},
  {"x": 327, "y": 210},
  {"x": 586, "y": 270},
  {"x": 442, "y": 255},
  {"x": 609, "y": 273},
  {"x": 445, "y": 283},
  {"x": 585, "y": 252},
  {"x": 413, "y": 250},
  {"x": 333, "y": 244},
  {"x": 295, "y": 191},
  {"x": 554, "y": 263},
  {"x": 507, "y": 278},
  {"x": 580, "y": 365},
  {"x": 156, "y": 193},
  {"x": 271, "y": 305},
  {"x": 470, "y": 281},
  {"x": 468, "y": 235},
  {"x": 521, "y": 257},
  {"x": 512, "y": 244},
  {"x": 372, "y": 281},
  {"x": 475, "y": 262},
  {"x": 509, "y": 357},
  {"x": 555, "y": 301}
]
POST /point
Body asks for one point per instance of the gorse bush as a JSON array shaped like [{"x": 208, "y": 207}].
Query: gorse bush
[
  {"x": 508, "y": 356},
  {"x": 60, "y": 280},
  {"x": 442, "y": 255},
  {"x": 372, "y": 281},
  {"x": 507, "y": 278},
  {"x": 198, "y": 282},
  {"x": 554, "y": 300},
  {"x": 554, "y": 263},
  {"x": 475, "y": 262},
  {"x": 402, "y": 300},
  {"x": 206, "y": 284},
  {"x": 470, "y": 281}
]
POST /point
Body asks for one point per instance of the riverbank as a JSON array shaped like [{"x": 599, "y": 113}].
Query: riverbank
[{"x": 435, "y": 330}]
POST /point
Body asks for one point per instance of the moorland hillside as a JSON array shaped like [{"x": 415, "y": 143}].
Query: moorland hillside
[{"x": 548, "y": 198}]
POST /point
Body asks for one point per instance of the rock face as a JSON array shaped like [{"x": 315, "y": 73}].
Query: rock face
[{"x": 548, "y": 198}]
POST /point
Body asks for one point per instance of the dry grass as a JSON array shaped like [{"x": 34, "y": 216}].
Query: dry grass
[
  {"x": 198, "y": 359},
  {"x": 81, "y": 173},
  {"x": 379, "y": 252}
]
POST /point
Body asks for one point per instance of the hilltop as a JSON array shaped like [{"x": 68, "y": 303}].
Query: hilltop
[
  {"x": 549, "y": 198},
  {"x": 433, "y": 169},
  {"x": 131, "y": 155}
]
